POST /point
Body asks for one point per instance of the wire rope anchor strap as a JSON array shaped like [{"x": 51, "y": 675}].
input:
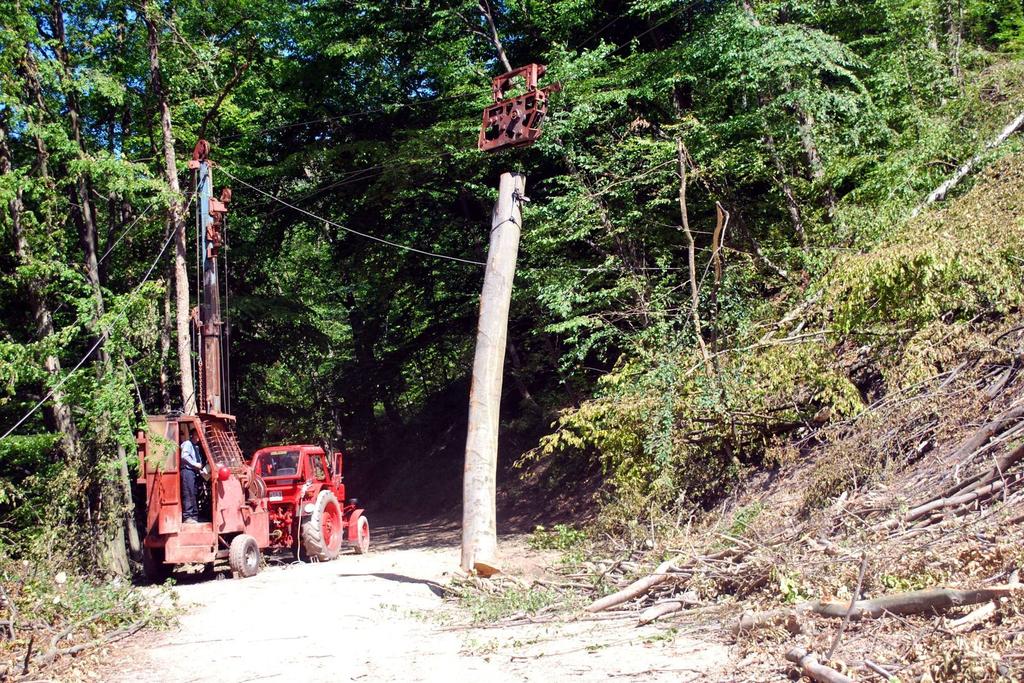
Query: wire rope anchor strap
[{"x": 515, "y": 121}]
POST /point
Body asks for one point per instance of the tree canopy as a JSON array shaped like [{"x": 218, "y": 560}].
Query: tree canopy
[{"x": 347, "y": 130}]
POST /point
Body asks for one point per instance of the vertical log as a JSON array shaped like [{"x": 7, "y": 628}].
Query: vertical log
[
  {"x": 479, "y": 526},
  {"x": 175, "y": 219},
  {"x": 113, "y": 551},
  {"x": 691, "y": 260}
]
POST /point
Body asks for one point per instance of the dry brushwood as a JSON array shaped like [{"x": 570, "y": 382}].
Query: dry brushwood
[
  {"x": 914, "y": 602},
  {"x": 55, "y": 652},
  {"x": 979, "y": 487},
  {"x": 810, "y": 667}
]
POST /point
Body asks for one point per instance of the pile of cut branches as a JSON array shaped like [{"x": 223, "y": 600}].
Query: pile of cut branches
[{"x": 48, "y": 618}]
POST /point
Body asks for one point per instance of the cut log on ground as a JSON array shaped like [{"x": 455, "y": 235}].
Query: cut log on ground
[
  {"x": 810, "y": 667},
  {"x": 915, "y": 602},
  {"x": 655, "y": 612}
]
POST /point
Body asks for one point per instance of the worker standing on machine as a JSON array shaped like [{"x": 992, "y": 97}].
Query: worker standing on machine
[{"x": 191, "y": 466}]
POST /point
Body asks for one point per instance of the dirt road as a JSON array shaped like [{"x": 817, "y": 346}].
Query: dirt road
[{"x": 380, "y": 617}]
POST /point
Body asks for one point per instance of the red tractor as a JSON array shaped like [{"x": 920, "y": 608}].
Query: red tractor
[{"x": 308, "y": 511}]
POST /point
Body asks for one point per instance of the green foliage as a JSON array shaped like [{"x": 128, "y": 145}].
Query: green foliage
[
  {"x": 487, "y": 608},
  {"x": 790, "y": 586},
  {"x": 952, "y": 264},
  {"x": 565, "y": 538},
  {"x": 743, "y": 518},
  {"x": 672, "y": 433}
]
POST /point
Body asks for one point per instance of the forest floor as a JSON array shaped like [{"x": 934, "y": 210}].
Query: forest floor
[{"x": 383, "y": 617}]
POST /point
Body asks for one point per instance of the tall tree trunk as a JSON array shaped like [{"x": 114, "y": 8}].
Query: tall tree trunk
[
  {"x": 488, "y": 14},
  {"x": 166, "y": 328},
  {"x": 175, "y": 219},
  {"x": 954, "y": 25},
  {"x": 787, "y": 190},
  {"x": 59, "y": 410},
  {"x": 692, "y": 262},
  {"x": 113, "y": 553}
]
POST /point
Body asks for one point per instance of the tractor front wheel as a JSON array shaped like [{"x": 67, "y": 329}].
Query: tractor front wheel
[
  {"x": 244, "y": 556},
  {"x": 361, "y": 542},
  {"x": 321, "y": 533}
]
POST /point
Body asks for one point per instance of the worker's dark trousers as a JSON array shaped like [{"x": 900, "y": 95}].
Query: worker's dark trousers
[{"x": 188, "y": 494}]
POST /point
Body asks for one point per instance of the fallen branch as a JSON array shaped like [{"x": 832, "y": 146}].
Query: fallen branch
[
  {"x": 812, "y": 669},
  {"x": 972, "y": 619},
  {"x": 914, "y": 602},
  {"x": 924, "y": 510},
  {"x": 986, "y": 432},
  {"x": 880, "y": 670},
  {"x": 655, "y": 612},
  {"x": 942, "y": 190},
  {"x": 28, "y": 655},
  {"x": 978, "y": 486},
  {"x": 637, "y": 588},
  {"x": 665, "y": 571},
  {"x": 55, "y": 653},
  {"x": 853, "y": 602}
]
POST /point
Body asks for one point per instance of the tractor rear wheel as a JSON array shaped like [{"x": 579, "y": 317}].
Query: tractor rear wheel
[
  {"x": 244, "y": 556},
  {"x": 361, "y": 542},
  {"x": 321, "y": 533},
  {"x": 153, "y": 567}
]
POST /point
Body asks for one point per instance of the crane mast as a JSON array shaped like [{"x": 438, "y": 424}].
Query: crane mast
[{"x": 209, "y": 320}]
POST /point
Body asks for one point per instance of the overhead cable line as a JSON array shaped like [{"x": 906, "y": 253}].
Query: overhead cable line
[
  {"x": 355, "y": 114},
  {"x": 99, "y": 341},
  {"x": 128, "y": 230},
  {"x": 424, "y": 252},
  {"x": 366, "y": 235},
  {"x": 365, "y": 173},
  {"x": 124, "y": 234}
]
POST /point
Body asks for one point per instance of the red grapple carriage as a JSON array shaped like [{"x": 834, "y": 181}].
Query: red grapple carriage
[
  {"x": 515, "y": 121},
  {"x": 306, "y": 503}
]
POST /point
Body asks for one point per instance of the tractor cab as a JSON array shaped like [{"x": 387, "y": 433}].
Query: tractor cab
[{"x": 305, "y": 492}]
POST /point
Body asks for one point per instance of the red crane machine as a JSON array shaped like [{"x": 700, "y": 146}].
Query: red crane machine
[{"x": 240, "y": 511}]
